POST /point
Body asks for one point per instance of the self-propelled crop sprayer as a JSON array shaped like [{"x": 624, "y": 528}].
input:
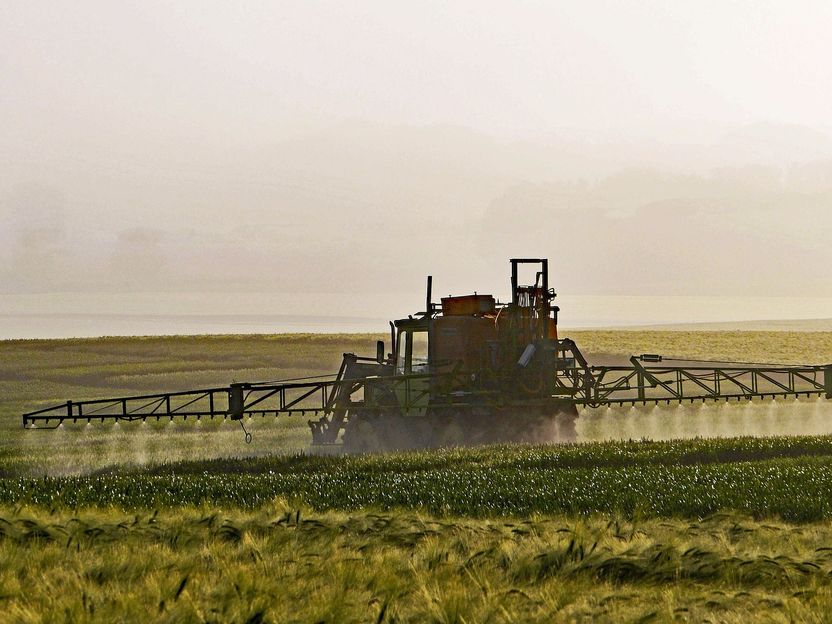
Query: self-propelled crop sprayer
[{"x": 470, "y": 370}]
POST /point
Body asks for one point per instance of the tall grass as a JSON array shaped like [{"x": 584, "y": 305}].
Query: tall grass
[{"x": 285, "y": 564}]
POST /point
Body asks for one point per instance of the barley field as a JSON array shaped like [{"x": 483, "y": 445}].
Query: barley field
[
  {"x": 704, "y": 513},
  {"x": 291, "y": 564}
]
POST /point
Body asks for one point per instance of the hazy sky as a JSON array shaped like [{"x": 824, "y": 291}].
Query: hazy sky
[{"x": 644, "y": 147}]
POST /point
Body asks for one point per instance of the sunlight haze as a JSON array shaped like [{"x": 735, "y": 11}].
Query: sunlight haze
[{"x": 645, "y": 148}]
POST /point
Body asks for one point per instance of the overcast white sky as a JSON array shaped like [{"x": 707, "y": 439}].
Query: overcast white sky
[{"x": 645, "y": 147}]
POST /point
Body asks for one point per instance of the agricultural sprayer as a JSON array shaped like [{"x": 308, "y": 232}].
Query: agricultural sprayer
[{"x": 469, "y": 370}]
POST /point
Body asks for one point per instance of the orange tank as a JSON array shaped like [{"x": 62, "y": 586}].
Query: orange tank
[{"x": 468, "y": 305}]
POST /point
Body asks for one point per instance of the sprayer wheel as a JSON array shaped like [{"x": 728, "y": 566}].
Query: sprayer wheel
[
  {"x": 532, "y": 425},
  {"x": 369, "y": 432},
  {"x": 448, "y": 428},
  {"x": 360, "y": 434}
]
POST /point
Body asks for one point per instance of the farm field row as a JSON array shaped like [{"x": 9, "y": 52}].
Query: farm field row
[{"x": 786, "y": 478}]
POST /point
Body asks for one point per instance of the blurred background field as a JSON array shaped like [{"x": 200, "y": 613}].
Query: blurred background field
[{"x": 37, "y": 373}]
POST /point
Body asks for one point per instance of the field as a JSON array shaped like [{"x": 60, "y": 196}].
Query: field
[
  {"x": 188, "y": 523},
  {"x": 288, "y": 565}
]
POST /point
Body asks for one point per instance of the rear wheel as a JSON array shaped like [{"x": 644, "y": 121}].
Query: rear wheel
[{"x": 360, "y": 435}]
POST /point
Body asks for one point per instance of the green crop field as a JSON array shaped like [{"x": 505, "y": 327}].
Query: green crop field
[{"x": 658, "y": 514}]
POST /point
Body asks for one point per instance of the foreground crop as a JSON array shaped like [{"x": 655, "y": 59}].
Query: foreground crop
[
  {"x": 789, "y": 478},
  {"x": 219, "y": 566}
]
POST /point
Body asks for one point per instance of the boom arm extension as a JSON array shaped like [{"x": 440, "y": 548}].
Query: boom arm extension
[
  {"x": 234, "y": 402},
  {"x": 333, "y": 398},
  {"x": 303, "y": 396},
  {"x": 621, "y": 385}
]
